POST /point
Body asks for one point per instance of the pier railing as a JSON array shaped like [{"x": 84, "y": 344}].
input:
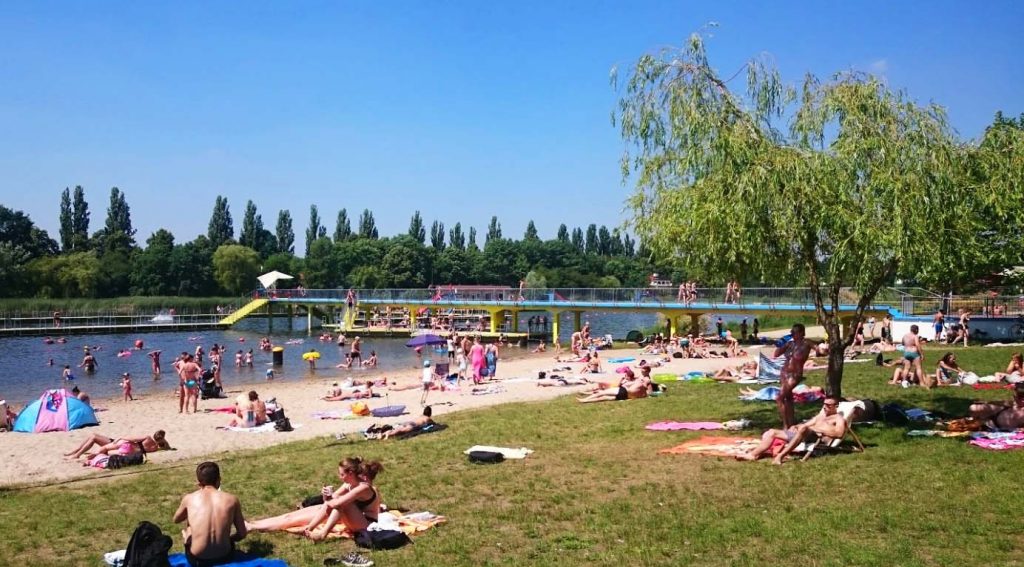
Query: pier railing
[
  {"x": 108, "y": 320},
  {"x": 711, "y": 298}
]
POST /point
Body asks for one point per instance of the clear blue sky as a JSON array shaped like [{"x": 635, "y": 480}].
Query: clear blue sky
[{"x": 459, "y": 109}]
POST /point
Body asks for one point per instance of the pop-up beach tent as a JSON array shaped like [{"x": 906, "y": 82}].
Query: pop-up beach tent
[{"x": 55, "y": 410}]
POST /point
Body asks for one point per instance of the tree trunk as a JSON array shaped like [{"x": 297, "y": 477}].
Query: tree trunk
[{"x": 836, "y": 350}]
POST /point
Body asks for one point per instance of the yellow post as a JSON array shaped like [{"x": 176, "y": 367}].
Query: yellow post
[
  {"x": 412, "y": 318},
  {"x": 554, "y": 327},
  {"x": 494, "y": 320}
]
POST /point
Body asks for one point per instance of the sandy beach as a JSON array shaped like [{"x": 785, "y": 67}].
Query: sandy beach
[{"x": 38, "y": 458}]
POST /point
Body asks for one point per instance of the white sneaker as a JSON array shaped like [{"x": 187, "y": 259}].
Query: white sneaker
[
  {"x": 905, "y": 384},
  {"x": 356, "y": 560}
]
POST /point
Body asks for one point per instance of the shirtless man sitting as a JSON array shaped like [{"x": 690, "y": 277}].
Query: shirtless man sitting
[
  {"x": 796, "y": 351},
  {"x": 1002, "y": 415},
  {"x": 209, "y": 514},
  {"x": 828, "y": 423}
]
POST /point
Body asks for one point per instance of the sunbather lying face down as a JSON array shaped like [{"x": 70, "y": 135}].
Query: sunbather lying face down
[{"x": 1002, "y": 415}]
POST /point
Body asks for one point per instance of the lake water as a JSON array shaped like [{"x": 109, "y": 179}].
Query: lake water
[{"x": 25, "y": 371}]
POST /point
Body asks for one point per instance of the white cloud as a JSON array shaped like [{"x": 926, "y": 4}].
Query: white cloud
[{"x": 879, "y": 67}]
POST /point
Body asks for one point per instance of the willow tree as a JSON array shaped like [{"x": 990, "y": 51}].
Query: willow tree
[{"x": 842, "y": 182}]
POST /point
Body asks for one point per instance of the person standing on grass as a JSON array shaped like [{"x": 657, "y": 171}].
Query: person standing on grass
[
  {"x": 756, "y": 328},
  {"x": 938, "y": 322},
  {"x": 965, "y": 324},
  {"x": 913, "y": 355},
  {"x": 796, "y": 351},
  {"x": 209, "y": 514}
]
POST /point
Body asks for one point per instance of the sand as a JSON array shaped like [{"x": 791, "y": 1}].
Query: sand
[{"x": 38, "y": 458}]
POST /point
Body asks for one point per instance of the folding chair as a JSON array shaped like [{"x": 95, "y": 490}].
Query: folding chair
[
  {"x": 441, "y": 370},
  {"x": 848, "y": 410}
]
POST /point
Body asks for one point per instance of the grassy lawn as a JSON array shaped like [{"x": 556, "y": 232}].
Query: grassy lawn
[{"x": 597, "y": 492}]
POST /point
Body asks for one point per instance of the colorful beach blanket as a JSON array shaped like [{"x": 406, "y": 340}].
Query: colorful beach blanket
[
  {"x": 714, "y": 446},
  {"x": 241, "y": 560},
  {"x": 410, "y": 524},
  {"x": 937, "y": 433},
  {"x": 683, "y": 426},
  {"x": 769, "y": 369},
  {"x": 995, "y": 441}
]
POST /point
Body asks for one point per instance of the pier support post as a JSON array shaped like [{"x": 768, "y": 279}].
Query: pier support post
[
  {"x": 555, "y": 316},
  {"x": 576, "y": 321},
  {"x": 309, "y": 320},
  {"x": 270, "y": 318},
  {"x": 291, "y": 317},
  {"x": 494, "y": 320},
  {"x": 695, "y": 324},
  {"x": 515, "y": 321},
  {"x": 672, "y": 323},
  {"x": 412, "y": 319}
]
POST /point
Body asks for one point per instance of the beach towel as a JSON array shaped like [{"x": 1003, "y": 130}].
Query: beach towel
[
  {"x": 714, "y": 446},
  {"x": 621, "y": 360},
  {"x": 683, "y": 426},
  {"x": 269, "y": 426},
  {"x": 936, "y": 433},
  {"x": 766, "y": 394},
  {"x": 995, "y": 441},
  {"x": 334, "y": 415},
  {"x": 487, "y": 390},
  {"x": 769, "y": 369},
  {"x": 240, "y": 560},
  {"x": 507, "y": 452},
  {"x": 665, "y": 378},
  {"x": 802, "y": 394},
  {"x": 990, "y": 386},
  {"x": 409, "y": 524}
]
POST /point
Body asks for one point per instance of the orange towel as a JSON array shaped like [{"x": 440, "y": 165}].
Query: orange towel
[
  {"x": 716, "y": 446},
  {"x": 407, "y": 525}
]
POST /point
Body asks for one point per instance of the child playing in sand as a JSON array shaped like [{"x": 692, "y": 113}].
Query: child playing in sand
[{"x": 126, "y": 387}]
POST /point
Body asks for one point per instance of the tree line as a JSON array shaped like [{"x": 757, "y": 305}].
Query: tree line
[{"x": 110, "y": 263}]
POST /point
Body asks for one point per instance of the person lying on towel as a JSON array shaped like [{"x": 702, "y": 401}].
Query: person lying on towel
[
  {"x": 629, "y": 388},
  {"x": 1005, "y": 416},
  {"x": 828, "y": 424},
  {"x": 354, "y": 393},
  {"x": 388, "y": 431}
]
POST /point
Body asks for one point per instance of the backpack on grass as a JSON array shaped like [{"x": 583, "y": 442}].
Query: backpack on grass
[
  {"x": 148, "y": 547},
  {"x": 485, "y": 457}
]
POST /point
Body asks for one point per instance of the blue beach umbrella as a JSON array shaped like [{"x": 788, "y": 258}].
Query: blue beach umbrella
[{"x": 425, "y": 340}]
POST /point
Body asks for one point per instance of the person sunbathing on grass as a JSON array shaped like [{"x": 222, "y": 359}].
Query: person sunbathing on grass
[
  {"x": 409, "y": 426},
  {"x": 745, "y": 370},
  {"x": 629, "y": 388},
  {"x": 1014, "y": 370},
  {"x": 1002, "y": 415},
  {"x": 828, "y": 424},
  {"x": 356, "y": 504},
  {"x": 125, "y": 445}
]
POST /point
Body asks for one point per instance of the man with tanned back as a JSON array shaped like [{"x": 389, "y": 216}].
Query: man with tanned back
[
  {"x": 209, "y": 515},
  {"x": 796, "y": 352}
]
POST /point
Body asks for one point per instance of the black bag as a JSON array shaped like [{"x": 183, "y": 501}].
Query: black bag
[
  {"x": 482, "y": 457},
  {"x": 129, "y": 460},
  {"x": 872, "y": 411},
  {"x": 276, "y": 415},
  {"x": 148, "y": 547},
  {"x": 381, "y": 539},
  {"x": 893, "y": 414},
  {"x": 677, "y": 355},
  {"x": 313, "y": 501},
  {"x": 283, "y": 424}
]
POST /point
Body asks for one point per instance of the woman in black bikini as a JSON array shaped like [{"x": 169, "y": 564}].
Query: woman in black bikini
[{"x": 356, "y": 504}]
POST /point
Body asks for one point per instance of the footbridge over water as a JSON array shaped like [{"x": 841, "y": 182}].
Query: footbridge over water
[{"x": 418, "y": 305}]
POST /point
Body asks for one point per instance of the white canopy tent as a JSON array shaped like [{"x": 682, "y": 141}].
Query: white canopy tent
[{"x": 269, "y": 280}]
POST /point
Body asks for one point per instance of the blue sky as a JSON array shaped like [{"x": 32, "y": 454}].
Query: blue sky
[{"x": 462, "y": 110}]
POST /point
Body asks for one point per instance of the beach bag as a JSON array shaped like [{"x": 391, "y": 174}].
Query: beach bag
[
  {"x": 276, "y": 415},
  {"x": 283, "y": 424},
  {"x": 120, "y": 461},
  {"x": 381, "y": 539},
  {"x": 147, "y": 547},
  {"x": 360, "y": 408},
  {"x": 485, "y": 457},
  {"x": 872, "y": 411},
  {"x": 893, "y": 414},
  {"x": 313, "y": 501}
]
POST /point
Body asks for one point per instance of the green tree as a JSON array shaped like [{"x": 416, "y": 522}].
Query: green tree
[
  {"x": 531, "y": 231},
  {"x": 456, "y": 238},
  {"x": 67, "y": 225},
  {"x": 342, "y": 228},
  {"x": 18, "y": 230},
  {"x": 536, "y": 280},
  {"x": 452, "y": 267},
  {"x": 405, "y": 263},
  {"x": 628, "y": 246},
  {"x": 417, "y": 230},
  {"x": 285, "y": 233},
  {"x": 563, "y": 233},
  {"x": 14, "y": 278},
  {"x": 250, "y": 229},
  {"x": 79, "y": 220},
  {"x": 604, "y": 241},
  {"x": 472, "y": 239},
  {"x": 493, "y": 230},
  {"x": 577, "y": 240},
  {"x": 192, "y": 268},
  {"x": 151, "y": 270},
  {"x": 221, "y": 228},
  {"x": 714, "y": 172},
  {"x": 320, "y": 270},
  {"x": 315, "y": 230},
  {"x": 367, "y": 226},
  {"x": 437, "y": 236},
  {"x": 117, "y": 234},
  {"x": 592, "y": 245},
  {"x": 235, "y": 267}
]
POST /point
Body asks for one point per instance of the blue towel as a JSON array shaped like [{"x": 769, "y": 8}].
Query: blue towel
[
  {"x": 241, "y": 560},
  {"x": 619, "y": 360}
]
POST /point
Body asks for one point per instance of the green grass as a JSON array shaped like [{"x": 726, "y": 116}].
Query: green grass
[{"x": 597, "y": 492}]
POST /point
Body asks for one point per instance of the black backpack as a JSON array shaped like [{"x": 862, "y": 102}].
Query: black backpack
[
  {"x": 381, "y": 539},
  {"x": 283, "y": 424},
  {"x": 148, "y": 547},
  {"x": 482, "y": 457},
  {"x": 116, "y": 461}
]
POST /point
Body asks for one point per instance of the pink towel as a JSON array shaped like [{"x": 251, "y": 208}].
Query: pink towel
[
  {"x": 687, "y": 425},
  {"x": 1004, "y": 442}
]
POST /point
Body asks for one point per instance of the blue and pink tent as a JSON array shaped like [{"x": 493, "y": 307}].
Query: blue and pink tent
[{"x": 55, "y": 410}]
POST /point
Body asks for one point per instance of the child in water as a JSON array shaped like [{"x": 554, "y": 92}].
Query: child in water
[
  {"x": 126, "y": 386},
  {"x": 67, "y": 375}
]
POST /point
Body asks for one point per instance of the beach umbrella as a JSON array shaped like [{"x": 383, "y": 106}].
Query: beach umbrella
[
  {"x": 425, "y": 340},
  {"x": 270, "y": 279}
]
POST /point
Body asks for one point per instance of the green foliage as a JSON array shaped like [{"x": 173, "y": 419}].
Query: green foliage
[
  {"x": 531, "y": 231},
  {"x": 320, "y": 270},
  {"x": 151, "y": 270},
  {"x": 493, "y": 230},
  {"x": 536, "y": 280},
  {"x": 456, "y": 238},
  {"x": 863, "y": 185},
  {"x": 221, "y": 228},
  {"x": 417, "y": 230},
  {"x": 285, "y": 234},
  {"x": 563, "y": 233},
  {"x": 79, "y": 220},
  {"x": 472, "y": 239},
  {"x": 192, "y": 268},
  {"x": 367, "y": 226},
  {"x": 118, "y": 228},
  {"x": 67, "y": 227},
  {"x": 437, "y": 236},
  {"x": 315, "y": 230},
  {"x": 235, "y": 267},
  {"x": 342, "y": 228},
  {"x": 69, "y": 275}
]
